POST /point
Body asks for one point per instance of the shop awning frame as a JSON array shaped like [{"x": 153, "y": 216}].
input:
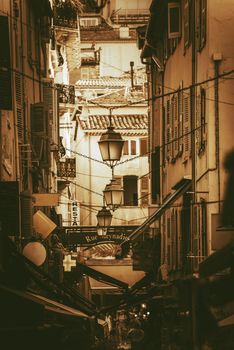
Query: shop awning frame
[
  {"x": 100, "y": 276},
  {"x": 180, "y": 188}
]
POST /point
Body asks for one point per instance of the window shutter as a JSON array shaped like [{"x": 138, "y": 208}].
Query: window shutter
[
  {"x": 180, "y": 121},
  {"x": 203, "y": 115},
  {"x": 198, "y": 124},
  {"x": 40, "y": 139},
  {"x": 144, "y": 190},
  {"x": 5, "y": 66},
  {"x": 202, "y": 26},
  {"x": 19, "y": 110},
  {"x": 176, "y": 126},
  {"x": 155, "y": 174},
  {"x": 50, "y": 99},
  {"x": 187, "y": 23},
  {"x": 133, "y": 147},
  {"x": 169, "y": 251},
  {"x": 173, "y": 239},
  {"x": 179, "y": 240},
  {"x": 143, "y": 146},
  {"x": 196, "y": 235},
  {"x": 187, "y": 128},
  {"x": 201, "y": 121},
  {"x": 164, "y": 147},
  {"x": 125, "y": 148},
  {"x": 168, "y": 130},
  {"x": 203, "y": 224}
]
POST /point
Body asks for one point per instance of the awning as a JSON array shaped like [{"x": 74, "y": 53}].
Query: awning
[
  {"x": 31, "y": 308},
  {"x": 102, "y": 276},
  {"x": 180, "y": 188},
  {"x": 123, "y": 273}
]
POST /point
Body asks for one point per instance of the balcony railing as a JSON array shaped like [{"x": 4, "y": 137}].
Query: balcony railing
[
  {"x": 66, "y": 93},
  {"x": 130, "y": 16},
  {"x": 66, "y": 22}
]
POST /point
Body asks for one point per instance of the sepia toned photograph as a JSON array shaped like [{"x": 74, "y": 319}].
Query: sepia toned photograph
[{"x": 117, "y": 174}]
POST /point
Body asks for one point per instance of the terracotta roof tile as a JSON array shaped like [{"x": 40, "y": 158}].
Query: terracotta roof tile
[
  {"x": 104, "y": 82},
  {"x": 104, "y": 34},
  {"x": 120, "y": 122}
]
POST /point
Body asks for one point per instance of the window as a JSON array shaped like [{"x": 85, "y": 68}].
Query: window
[
  {"x": 168, "y": 130},
  {"x": 29, "y": 35},
  {"x": 19, "y": 110},
  {"x": 180, "y": 120},
  {"x": 129, "y": 147},
  {"x": 175, "y": 128},
  {"x": 201, "y": 120},
  {"x": 88, "y": 22},
  {"x": 143, "y": 146},
  {"x": 187, "y": 126},
  {"x": 5, "y": 73},
  {"x": 130, "y": 190},
  {"x": 173, "y": 20},
  {"x": 187, "y": 23},
  {"x": 155, "y": 175},
  {"x": 202, "y": 23},
  {"x": 39, "y": 132},
  {"x": 144, "y": 190},
  {"x": 203, "y": 227}
]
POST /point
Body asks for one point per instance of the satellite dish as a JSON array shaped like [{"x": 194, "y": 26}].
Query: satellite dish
[{"x": 35, "y": 252}]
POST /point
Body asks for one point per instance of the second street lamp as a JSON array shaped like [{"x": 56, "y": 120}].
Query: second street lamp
[
  {"x": 104, "y": 217},
  {"x": 113, "y": 194}
]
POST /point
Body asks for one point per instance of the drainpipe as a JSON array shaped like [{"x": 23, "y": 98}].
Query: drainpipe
[
  {"x": 217, "y": 59},
  {"x": 193, "y": 101},
  {"x": 193, "y": 155}
]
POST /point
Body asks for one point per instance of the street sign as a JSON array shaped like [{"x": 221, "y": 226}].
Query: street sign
[{"x": 86, "y": 239}]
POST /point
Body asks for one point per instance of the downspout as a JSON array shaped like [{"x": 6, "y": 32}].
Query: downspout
[
  {"x": 193, "y": 154},
  {"x": 193, "y": 100},
  {"x": 217, "y": 141},
  {"x": 25, "y": 139}
]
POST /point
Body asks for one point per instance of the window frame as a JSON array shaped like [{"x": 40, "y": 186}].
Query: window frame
[
  {"x": 133, "y": 203},
  {"x": 176, "y": 34},
  {"x": 129, "y": 147}
]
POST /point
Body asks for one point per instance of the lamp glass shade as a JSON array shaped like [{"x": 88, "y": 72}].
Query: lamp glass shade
[
  {"x": 104, "y": 217},
  {"x": 113, "y": 194},
  {"x": 111, "y": 146}
]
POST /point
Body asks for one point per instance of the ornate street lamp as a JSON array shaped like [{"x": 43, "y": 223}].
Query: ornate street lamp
[
  {"x": 113, "y": 194},
  {"x": 104, "y": 217},
  {"x": 111, "y": 145}
]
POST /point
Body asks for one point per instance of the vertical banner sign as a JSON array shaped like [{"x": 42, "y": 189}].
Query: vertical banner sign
[{"x": 75, "y": 216}]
